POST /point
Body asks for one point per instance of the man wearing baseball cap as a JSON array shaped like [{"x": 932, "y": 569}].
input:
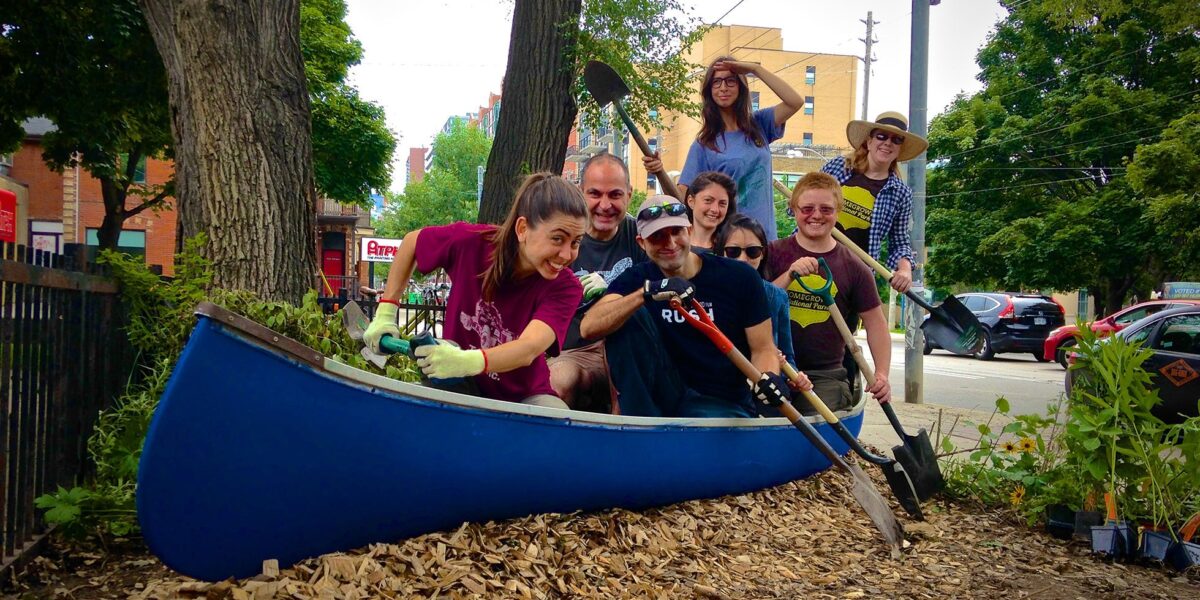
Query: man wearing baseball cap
[{"x": 662, "y": 366}]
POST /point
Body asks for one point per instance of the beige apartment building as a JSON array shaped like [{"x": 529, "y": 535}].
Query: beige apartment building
[{"x": 815, "y": 134}]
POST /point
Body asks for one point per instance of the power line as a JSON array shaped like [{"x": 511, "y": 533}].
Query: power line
[
  {"x": 739, "y": 3},
  {"x": 1014, "y": 187},
  {"x": 1109, "y": 114}
]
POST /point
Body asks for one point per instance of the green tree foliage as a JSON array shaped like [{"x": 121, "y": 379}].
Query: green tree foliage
[
  {"x": 91, "y": 67},
  {"x": 447, "y": 193},
  {"x": 1027, "y": 184},
  {"x": 1167, "y": 174}
]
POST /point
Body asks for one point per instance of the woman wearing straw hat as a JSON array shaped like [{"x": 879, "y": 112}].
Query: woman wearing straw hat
[{"x": 878, "y": 204}]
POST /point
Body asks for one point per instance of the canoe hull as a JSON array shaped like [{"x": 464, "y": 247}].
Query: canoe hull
[{"x": 255, "y": 455}]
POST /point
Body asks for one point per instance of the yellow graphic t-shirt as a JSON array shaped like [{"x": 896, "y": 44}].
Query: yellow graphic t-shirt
[
  {"x": 859, "y": 192},
  {"x": 805, "y": 308}
]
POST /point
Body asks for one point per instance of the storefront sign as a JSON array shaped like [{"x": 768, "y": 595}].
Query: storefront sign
[
  {"x": 1179, "y": 290},
  {"x": 379, "y": 249},
  {"x": 8, "y": 217}
]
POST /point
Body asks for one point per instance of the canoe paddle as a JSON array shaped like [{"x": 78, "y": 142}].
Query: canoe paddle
[
  {"x": 893, "y": 471},
  {"x": 953, "y": 326},
  {"x": 916, "y": 454},
  {"x": 606, "y": 86},
  {"x": 863, "y": 489}
]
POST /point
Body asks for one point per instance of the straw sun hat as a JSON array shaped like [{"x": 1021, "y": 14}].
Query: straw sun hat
[{"x": 891, "y": 122}]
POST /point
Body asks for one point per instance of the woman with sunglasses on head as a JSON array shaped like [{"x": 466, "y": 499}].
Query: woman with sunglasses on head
[
  {"x": 735, "y": 140},
  {"x": 712, "y": 200},
  {"x": 513, "y": 294},
  {"x": 743, "y": 238},
  {"x": 878, "y": 204}
]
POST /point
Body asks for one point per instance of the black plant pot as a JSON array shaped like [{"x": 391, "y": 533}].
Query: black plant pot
[
  {"x": 1060, "y": 521},
  {"x": 1184, "y": 556},
  {"x": 1155, "y": 546},
  {"x": 1115, "y": 540},
  {"x": 1085, "y": 520}
]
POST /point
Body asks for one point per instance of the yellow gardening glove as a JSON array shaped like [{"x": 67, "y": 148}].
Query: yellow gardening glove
[
  {"x": 383, "y": 324},
  {"x": 445, "y": 361}
]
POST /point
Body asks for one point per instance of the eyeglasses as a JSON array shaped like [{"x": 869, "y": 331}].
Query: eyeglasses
[
  {"x": 752, "y": 252},
  {"x": 825, "y": 210},
  {"x": 651, "y": 213},
  {"x": 883, "y": 136},
  {"x": 731, "y": 81}
]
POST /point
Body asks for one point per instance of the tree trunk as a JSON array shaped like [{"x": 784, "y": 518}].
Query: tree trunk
[
  {"x": 538, "y": 107},
  {"x": 243, "y": 148}
]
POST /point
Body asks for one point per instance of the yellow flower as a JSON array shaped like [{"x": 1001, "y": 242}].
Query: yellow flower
[
  {"x": 1027, "y": 445},
  {"x": 1009, "y": 447},
  {"x": 1018, "y": 494}
]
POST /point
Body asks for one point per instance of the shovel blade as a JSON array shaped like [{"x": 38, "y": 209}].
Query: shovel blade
[
  {"x": 355, "y": 320},
  {"x": 876, "y": 508},
  {"x": 920, "y": 462},
  {"x": 954, "y": 327},
  {"x": 903, "y": 488},
  {"x": 603, "y": 83}
]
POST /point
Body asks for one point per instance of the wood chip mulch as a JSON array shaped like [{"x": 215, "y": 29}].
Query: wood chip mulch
[{"x": 807, "y": 539}]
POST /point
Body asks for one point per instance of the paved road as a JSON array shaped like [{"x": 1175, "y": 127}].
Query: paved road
[{"x": 965, "y": 382}]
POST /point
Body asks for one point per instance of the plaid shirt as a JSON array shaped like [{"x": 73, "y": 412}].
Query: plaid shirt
[{"x": 891, "y": 217}]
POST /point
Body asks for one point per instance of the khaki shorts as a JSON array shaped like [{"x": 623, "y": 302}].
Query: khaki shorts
[{"x": 595, "y": 391}]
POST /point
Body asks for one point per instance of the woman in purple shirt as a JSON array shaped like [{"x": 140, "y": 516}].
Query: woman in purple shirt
[{"x": 512, "y": 297}]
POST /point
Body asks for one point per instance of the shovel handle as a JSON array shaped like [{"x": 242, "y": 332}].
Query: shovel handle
[
  {"x": 664, "y": 180},
  {"x": 843, "y": 329},
  {"x": 882, "y": 270},
  {"x": 811, "y": 396}
]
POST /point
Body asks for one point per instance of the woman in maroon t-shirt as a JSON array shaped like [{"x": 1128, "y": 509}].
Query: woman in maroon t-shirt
[{"x": 512, "y": 297}]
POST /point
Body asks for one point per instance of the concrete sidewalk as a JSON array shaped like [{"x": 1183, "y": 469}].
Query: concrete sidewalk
[{"x": 938, "y": 420}]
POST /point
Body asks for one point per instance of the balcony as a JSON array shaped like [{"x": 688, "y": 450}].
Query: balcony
[
  {"x": 332, "y": 211},
  {"x": 590, "y": 144},
  {"x": 574, "y": 155}
]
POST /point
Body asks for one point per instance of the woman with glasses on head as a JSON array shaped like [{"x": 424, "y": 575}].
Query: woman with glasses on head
[
  {"x": 878, "y": 204},
  {"x": 743, "y": 238},
  {"x": 712, "y": 200},
  {"x": 513, "y": 294},
  {"x": 735, "y": 140}
]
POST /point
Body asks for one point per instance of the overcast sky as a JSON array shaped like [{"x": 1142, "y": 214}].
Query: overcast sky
[{"x": 426, "y": 60}]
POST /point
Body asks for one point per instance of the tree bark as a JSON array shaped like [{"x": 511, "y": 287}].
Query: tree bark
[
  {"x": 538, "y": 108},
  {"x": 243, "y": 148}
]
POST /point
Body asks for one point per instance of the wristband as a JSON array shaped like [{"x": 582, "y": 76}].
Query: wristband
[
  {"x": 392, "y": 302},
  {"x": 485, "y": 361}
]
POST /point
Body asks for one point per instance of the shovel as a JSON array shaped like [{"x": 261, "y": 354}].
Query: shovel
[
  {"x": 901, "y": 484},
  {"x": 916, "y": 454},
  {"x": 863, "y": 490},
  {"x": 606, "y": 86},
  {"x": 954, "y": 327}
]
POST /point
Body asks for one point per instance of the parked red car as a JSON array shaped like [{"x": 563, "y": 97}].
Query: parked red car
[{"x": 1059, "y": 340}]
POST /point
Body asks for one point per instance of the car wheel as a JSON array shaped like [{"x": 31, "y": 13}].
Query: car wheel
[
  {"x": 927, "y": 349},
  {"x": 1063, "y": 351},
  {"x": 986, "y": 353},
  {"x": 1038, "y": 356}
]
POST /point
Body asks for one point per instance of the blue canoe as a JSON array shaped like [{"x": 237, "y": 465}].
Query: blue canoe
[{"x": 262, "y": 448}]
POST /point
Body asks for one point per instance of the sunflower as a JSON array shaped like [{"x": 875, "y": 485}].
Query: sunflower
[
  {"x": 1027, "y": 444},
  {"x": 1018, "y": 494},
  {"x": 1009, "y": 447}
]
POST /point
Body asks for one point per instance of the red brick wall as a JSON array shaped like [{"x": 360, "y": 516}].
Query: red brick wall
[{"x": 45, "y": 186}]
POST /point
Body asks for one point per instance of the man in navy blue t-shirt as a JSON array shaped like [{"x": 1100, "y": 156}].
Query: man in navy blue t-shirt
[{"x": 667, "y": 367}]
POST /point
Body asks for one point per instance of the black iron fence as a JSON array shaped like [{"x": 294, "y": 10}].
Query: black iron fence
[{"x": 63, "y": 358}]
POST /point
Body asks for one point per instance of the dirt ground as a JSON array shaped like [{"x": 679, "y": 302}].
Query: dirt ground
[{"x": 801, "y": 540}]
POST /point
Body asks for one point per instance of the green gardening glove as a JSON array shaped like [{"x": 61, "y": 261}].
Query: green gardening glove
[
  {"x": 594, "y": 285},
  {"x": 383, "y": 324}
]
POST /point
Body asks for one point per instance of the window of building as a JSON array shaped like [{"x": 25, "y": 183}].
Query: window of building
[
  {"x": 808, "y": 105},
  {"x": 810, "y": 75},
  {"x": 129, "y": 242},
  {"x": 807, "y": 138},
  {"x": 753, "y": 101},
  {"x": 139, "y": 172},
  {"x": 46, "y": 236}
]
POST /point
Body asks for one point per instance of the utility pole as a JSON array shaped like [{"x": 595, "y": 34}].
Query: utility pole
[
  {"x": 867, "y": 59},
  {"x": 918, "y": 90}
]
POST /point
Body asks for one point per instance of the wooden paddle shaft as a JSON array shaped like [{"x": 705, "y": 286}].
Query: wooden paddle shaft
[{"x": 668, "y": 186}]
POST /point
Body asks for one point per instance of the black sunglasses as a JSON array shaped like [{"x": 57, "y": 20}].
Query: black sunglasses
[
  {"x": 653, "y": 212},
  {"x": 752, "y": 252},
  {"x": 884, "y": 136}
]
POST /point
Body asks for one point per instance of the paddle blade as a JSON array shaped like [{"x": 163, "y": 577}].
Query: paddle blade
[
  {"x": 954, "y": 327},
  {"x": 603, "y": 83},
  {"x": 877, "y": 508},
  {"x": 920, "y": 462}
]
